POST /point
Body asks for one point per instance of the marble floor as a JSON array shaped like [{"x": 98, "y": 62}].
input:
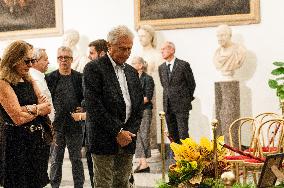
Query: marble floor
[{"x": 142, "y": 180}]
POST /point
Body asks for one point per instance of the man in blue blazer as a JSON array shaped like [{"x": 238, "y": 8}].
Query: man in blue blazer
[
  {"x": 178, "y": 87},
  {"x": 114, "y": 105}
]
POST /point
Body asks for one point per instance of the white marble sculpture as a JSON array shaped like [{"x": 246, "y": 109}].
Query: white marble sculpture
[
  {"x": 150, "y": 54},
  {"x": 148, "y": 40},
  {"x": 70, "y": 39},
  {"x": 229, "y": 56}
]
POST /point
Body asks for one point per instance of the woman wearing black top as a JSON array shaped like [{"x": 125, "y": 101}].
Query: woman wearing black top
[
  {"x": 23, "y": 152},
  {"x": 143, "y": 149}
]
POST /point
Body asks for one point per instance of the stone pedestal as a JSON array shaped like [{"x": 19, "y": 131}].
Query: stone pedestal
[{"x": 227, "y": 107}]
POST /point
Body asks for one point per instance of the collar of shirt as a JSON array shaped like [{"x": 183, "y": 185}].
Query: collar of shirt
[
  {"x": 114, "y": 64},
  {"x": 172, "y": 62},
  {"x": 36, "y": 74}
]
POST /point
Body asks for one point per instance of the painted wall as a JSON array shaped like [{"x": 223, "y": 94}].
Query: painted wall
[{"x": 264, "y": 41}]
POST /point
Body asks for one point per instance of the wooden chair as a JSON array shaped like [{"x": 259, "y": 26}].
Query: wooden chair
[
  {"x": 273, "y": 141},
  {"x": 259, "y": 120},
  {"x": 268, "y": 139},
  {"x": 235, "y": 159}
]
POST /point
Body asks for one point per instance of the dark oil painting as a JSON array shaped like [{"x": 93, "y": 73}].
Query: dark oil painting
[
  {"x": 28, "y": 15},
  {"x": 169, "y": 14}
]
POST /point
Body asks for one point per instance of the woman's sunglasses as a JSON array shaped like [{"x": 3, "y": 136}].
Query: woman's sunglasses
[{"x": 28, "y": 61}]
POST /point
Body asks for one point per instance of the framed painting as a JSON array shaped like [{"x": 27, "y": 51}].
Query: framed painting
[
  {"x": 30, "y": 18},
  {"x": 168, "y": 14}
]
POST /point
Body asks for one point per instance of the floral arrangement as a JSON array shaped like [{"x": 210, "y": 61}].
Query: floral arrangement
[{"x": 195, "y": 162}]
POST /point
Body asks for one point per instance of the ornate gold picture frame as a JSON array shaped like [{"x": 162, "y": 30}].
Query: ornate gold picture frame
[
  {"x": 168, "y": 14},
  {"x": 30, "y": 18}
]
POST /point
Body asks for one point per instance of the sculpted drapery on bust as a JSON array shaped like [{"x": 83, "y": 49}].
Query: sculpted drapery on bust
[{"x": 229, "y": 56}]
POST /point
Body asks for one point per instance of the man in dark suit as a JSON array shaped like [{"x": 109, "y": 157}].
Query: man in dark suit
[
  {"x": 114, "y": 105},
  {"x": 178, "y": 87}
]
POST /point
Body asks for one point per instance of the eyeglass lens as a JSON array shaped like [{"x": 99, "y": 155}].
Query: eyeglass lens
[{"x": 61, "y": 58}]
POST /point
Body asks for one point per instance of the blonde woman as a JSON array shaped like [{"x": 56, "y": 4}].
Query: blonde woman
[{"x": 24, "y": 156}]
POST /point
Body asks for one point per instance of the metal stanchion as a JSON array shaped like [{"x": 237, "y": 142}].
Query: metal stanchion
[
  {"x": 214, "y": 124},
  {"x": 163, "y": 149}
]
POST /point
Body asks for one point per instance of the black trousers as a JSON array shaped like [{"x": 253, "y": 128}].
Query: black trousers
[
  {"x": 177, "y": 123},
  {"x": 90, "y": 165}
]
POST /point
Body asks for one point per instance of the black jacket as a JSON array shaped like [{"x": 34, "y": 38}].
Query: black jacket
[
  {"x": 148, "y": 86},
  {"x": 52, "y": 81},
  {"x": 179, "y": 88},
  {"x": 105, "y": 105}
]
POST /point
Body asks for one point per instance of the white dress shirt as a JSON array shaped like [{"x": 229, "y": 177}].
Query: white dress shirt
[
  {"x": 118, "y": 69},
  {"x": 172, "y": 63},
  {"x": 41, "y": 83}
]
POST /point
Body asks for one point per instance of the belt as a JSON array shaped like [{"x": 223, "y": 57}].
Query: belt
[{"x": 33, "y": 128}]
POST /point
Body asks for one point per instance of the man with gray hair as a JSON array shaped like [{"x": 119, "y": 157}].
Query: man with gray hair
[
  {"x": 37, "y": 72},
  {"x": 65, "y": 85},
  {"x": 114, "y": 105},
  {"x": 178, "y": 87}
]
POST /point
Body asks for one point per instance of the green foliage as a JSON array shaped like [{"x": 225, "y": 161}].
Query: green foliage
[
  {"x": 280, "y": 185},
  {"x": 278, "y": 82},
  {"x": 278, "y": 63},
  {"x": 162, "y": 184},
  {"x": 277, "y": 71},
  {"x": 186, "y": 171},
  {"x": 211, "y": 182},
  {"x": 238, "y": 185}
]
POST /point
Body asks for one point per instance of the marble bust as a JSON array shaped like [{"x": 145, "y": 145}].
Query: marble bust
[
  {"x": 229, "y": 56},
  {"x": 70, "y": 39}
]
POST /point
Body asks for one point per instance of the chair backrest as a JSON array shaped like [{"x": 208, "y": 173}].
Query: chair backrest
[
  {"x": 260, "y": 138},
  {"x": 266, "y": 116},
  {"x": 236, "y": 131},
  {"x": 273, "y": 141}
]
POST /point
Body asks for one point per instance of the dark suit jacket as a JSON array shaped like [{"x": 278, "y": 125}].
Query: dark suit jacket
[
  {"x": 105, "y": 105},
  {"x": 52, "y": 81},
  {"x": 179, "y": 89}
]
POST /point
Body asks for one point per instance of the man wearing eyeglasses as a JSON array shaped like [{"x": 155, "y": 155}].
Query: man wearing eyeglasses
[
  {"x": 114, "y": 105},
  {"x": 65, "y": 86}
]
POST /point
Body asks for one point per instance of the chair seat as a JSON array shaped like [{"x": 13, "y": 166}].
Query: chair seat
[
  {"x": 269, "y": 149},
  {"x": 264, "y": 149},
  {"x": 236, "y": 157}
]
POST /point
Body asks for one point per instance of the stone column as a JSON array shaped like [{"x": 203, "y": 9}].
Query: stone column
[{"x": 227, "y": 107}]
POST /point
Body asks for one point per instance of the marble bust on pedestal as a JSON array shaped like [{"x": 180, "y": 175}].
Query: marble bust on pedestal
[{"x": 229, "y": 56}]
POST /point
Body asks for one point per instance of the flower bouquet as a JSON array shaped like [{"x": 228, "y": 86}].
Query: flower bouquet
[{"x": 195, "y": 162}]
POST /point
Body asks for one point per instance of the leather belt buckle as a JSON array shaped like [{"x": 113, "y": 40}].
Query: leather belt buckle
[{"x": 33, "y": 128}]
